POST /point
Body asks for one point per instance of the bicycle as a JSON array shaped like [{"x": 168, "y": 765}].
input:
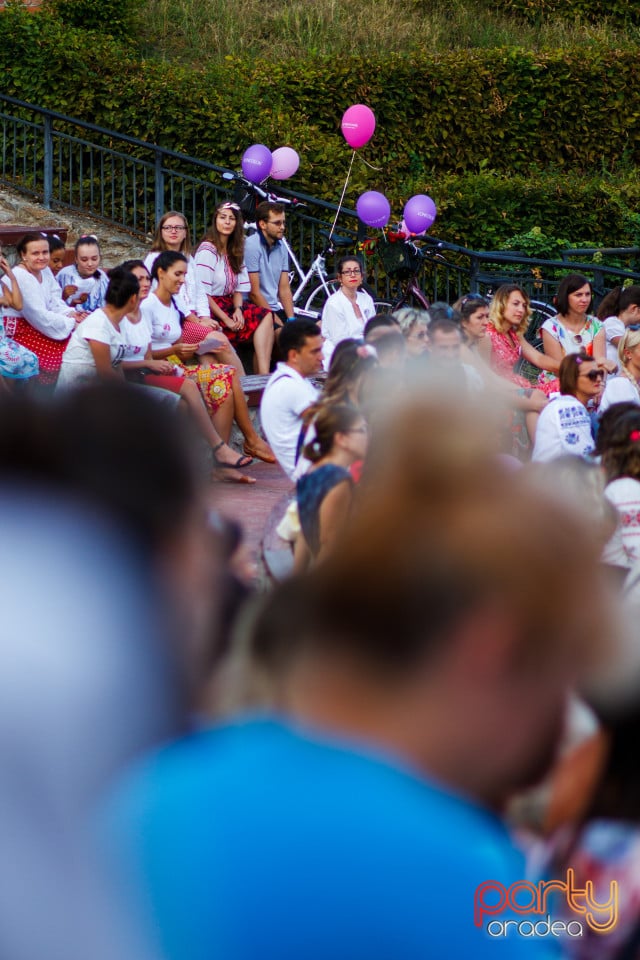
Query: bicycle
[
  {"x": 403, "y": 262},
  {"x": 315, "y": 298}
]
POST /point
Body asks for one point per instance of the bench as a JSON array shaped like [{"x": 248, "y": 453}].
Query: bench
[
  {"x": 253, "y": 386},
  {"x": 11, "y": 234}
]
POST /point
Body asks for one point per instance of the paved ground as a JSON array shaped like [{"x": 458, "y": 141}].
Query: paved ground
[{"x": 251, "y": 506}]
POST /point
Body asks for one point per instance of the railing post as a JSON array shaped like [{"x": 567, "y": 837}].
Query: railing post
[
  {"x": 159, "y": 187},
  {"x": 48, "y": 162},
  {"x": 473, "y": 274}
]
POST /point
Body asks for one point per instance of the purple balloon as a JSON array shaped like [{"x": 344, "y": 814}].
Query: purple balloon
[
  {"x": 358, "y": 124},
  {"x": 285, "y": 163},
  {"x": 373, "y": 208},
  {"x": 256, "y": 163},
  {"x": 419, "y": 213}
]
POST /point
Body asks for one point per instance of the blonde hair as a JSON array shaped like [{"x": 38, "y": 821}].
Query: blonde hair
[
  {"x": 499, "y": 304},
  {"x": 628, "y": 340}
]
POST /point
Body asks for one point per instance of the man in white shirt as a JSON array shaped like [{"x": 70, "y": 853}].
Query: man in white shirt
[{"x": 288, "y": 392}]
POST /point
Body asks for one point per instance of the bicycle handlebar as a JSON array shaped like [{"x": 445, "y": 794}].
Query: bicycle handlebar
[{"x": 259, "y": 191}]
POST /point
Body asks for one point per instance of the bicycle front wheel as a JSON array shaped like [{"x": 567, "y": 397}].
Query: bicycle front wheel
[{"x": 317, "y": 299}]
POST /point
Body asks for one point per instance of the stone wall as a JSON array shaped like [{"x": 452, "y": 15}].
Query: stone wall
[{"x": 116, "y": 245}]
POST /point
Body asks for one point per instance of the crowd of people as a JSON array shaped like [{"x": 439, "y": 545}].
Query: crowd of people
[{"x": 339, "y": 765}]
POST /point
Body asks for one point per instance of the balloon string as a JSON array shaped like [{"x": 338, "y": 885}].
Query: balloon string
[
  {"x": 344, "y": 190},
  {"x": 370, "y": 165}
]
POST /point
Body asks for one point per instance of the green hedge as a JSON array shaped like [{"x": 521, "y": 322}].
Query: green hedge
[
  {"x": 502, "y": 139},
  {"x": 619, "y": 12}
]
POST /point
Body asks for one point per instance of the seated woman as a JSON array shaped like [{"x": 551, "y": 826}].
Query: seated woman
[
  {"x": 57, "y": 252},
  {"x": 573, "y": 329},
  {"x": 221, "y": 281},
  {"x": 96, "y": 346},
  {"x": 413, "y": 325},
  {"x": 140, "y": 367},
  {"x": 621, "y": 463},
  {"x": 619, "y": 309},
  {"x": 16, "y": 362},
  {"x": 44, "y": 323},
  {"x": 219, "y": 384},
  {"x": 509, "y": 316},
  {"x": 564, "y": 425},
  {"x": 626, "y": 386},
  {"x": 347, "y": 310},
  {"x": 325, "y": 492},
  {"x": 474, "y": 322},
  {"x": 172, "y": 234},
  {"x": 83, "y": 283}
]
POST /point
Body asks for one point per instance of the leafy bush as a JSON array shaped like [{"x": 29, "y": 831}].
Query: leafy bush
[
  {"x": 112, "y": 17},
  {"x": 618, "y": 12},
  {"x": 504, "y": 141}
]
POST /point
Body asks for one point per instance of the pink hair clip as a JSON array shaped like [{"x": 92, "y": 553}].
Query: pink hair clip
[
  {"x": 366, "y": 350},
  {"x": 634, "y": 436},
  {"x": 578, "y": 359}
]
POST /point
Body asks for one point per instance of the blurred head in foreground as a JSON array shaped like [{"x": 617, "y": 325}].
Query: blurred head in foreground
[
  {"x": 99, "y": 559},
  {"x": 447, "y": 624}
]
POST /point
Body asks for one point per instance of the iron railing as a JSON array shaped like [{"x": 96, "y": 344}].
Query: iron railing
[{"x": 77, "y": 165}]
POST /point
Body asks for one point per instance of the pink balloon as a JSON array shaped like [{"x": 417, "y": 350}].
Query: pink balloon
[
  {"x": 419, "y": 213},
  {"x": 285, "y": 163},
  {"x": 373, "y": 208},
  {"x": 256, "y": 163},
  {"x": 405, "y": 229},
  {"x": 358, "y": 124}
]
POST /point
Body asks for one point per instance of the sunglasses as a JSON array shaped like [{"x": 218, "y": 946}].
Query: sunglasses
[
  {"x": 594, "y": 375},
  {"x": 474, "y": 298},
  {"x": 228, "y": 206}
]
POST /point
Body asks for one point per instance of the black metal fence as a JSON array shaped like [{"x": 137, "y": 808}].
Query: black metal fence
[{"x": 76, "y": 165}]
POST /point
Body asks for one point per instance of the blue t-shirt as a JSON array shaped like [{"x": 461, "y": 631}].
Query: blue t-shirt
[
  {"x": 260, "y": 840},
  {"x": 268, "y": 261}
]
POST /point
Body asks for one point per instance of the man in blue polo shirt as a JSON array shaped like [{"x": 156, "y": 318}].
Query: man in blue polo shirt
[
  {"x": 267, "y": 262},
  {"x": 421, "y": 674}
]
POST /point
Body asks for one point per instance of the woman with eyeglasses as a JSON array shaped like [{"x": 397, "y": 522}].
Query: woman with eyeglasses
[
  {"x": 626, "y": 386},
  {"x": 618, "y": 310},
  {"x": 573, "y": 328},
  {"x": 172, "y": 234},
  {"x": 565, "y": 424},
  {"x": 347, "y": 310},
  {"x": 221, "y": 282},
  {"x": 325, "y": 491}
]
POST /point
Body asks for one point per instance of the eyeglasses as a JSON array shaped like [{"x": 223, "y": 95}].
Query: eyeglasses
[
  {"x": 593, "y": 375},
  {"x": 173, "y": 229},
  {"x": 351, "y": 273}
]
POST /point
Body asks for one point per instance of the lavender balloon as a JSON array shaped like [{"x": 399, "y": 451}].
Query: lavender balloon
[
  {"x": 285, "y": 163},
  {"x": 256, "y": 163},
  {"x": 419, "y": 213},
  {"x": 373, "y": 208}
]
